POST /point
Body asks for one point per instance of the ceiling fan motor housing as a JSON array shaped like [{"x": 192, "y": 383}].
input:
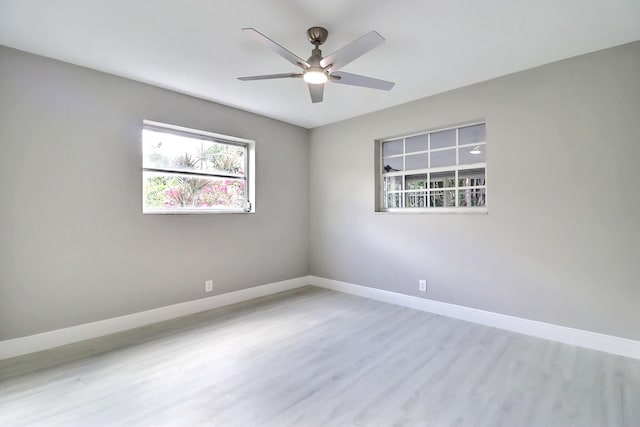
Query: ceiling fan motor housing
[{"x": 317, "y": 35}]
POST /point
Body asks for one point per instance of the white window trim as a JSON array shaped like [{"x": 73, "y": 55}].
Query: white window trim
[
  {"x": 249, "y": 168},
  {"x": 381, "y": 175}
]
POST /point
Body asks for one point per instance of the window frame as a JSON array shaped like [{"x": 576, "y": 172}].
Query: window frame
[
  {"x": 381, "y": 175},
  {"x": 248, "y": 177}
]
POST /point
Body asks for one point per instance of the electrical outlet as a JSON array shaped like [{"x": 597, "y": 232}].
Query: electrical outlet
[
  {"x": 208, "y": 286},
  {"x": 422, "y": 285}
]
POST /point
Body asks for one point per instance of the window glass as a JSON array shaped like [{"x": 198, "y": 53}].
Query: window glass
[
  {"x": 166, "y": 150},
  {"x": 443, "y": 179},
  {"x": 473, "y": 154},
  {"x": 472, "y": 134},
  {"x": 471, "y": 177},
  {"x": 393, "y": 200},
  {"x": 442, "y": 139},
  {"x": 185, "y": 170},
  {"x": 416, "y": 182},
  {"x": 393, "y": 183},
  {"x": 417, "y": 143},
  {"x": 393, "y": 164},
  {"x": 416, "y": 161},
  {"x": 471, "y": 197},
  {"x": 391, "y": 148},
  {"x": 163, "y": 190},
  {"x": 442, "y": 199},
  {"x": 443, "y": 158},
  {"x": 439, "y": 169},
  {"x": 416, "y": 199}
]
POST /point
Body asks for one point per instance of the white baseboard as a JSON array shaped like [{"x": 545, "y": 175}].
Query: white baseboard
[
  {"x": 46, "y": 340},
  {"x": 51, "y": 339},
  {"x": 592, "y": 340}
]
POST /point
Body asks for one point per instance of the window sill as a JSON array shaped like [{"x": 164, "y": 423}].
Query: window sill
[
  {"x": 434, "y": 211},
  {"x": 192, "y": 212}
]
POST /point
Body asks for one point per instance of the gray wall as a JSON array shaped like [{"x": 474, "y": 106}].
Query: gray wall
[
  {"x": 561, "y": 240},
  {"x": 74, "y": 245},
  {"x": 559, "y": 244}
]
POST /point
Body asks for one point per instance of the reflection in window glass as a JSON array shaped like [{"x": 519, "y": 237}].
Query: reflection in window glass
[
  {"x": 416, "y": 182},
  {"x": 393, "y": 164},
  {"x": 436, "y": 199},
  {"x": 471, "y": 178},
  {"x": 393, "y": 183},
  {"x": 442, "y": 179},
  {"x": 473, "y": 154},
  {"x": 451, "y": 165},
  {"x": 472, "y": 197},
  {"x": 416, "y": 199},
  {"x": 393, "y": 200}
]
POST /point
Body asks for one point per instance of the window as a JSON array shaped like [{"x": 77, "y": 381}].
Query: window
[
  {"x": 441, "y": 170},
  {"x": 191, "y": 171}
]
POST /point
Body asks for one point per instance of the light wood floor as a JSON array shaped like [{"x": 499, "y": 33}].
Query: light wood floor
[{"x": 313, "y": 357}]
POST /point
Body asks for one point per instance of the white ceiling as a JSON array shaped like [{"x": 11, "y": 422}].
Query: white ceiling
[{"x": 196, "y": 46}]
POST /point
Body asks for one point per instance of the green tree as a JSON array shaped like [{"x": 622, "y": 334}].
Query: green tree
[{"x": 154, "y": 191}]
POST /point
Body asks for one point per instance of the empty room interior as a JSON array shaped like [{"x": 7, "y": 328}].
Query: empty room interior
[{"x": 363, "y": 213}]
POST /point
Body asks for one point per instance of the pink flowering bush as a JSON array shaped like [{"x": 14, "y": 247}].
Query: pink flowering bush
[
  {"x": 184, "y": 191},
  {"x": 187, "y": 193}
]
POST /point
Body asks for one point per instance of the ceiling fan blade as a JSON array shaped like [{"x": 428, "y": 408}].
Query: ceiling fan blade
[
  {"x": 316, "y": 91},
  {"x": 363, "y": 81},
  {"x": 286, "y": 54},
  {"x": 352, "y": 51},
  {"x": 270, "y": 76}
]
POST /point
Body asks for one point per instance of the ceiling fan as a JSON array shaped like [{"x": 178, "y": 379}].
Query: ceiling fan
[{"x": 318, "y": 70}]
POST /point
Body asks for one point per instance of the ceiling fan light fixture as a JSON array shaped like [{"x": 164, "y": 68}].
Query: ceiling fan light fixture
[
  {"x": 315, "y": 77},
  {"x": 476, "y": 150}
]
